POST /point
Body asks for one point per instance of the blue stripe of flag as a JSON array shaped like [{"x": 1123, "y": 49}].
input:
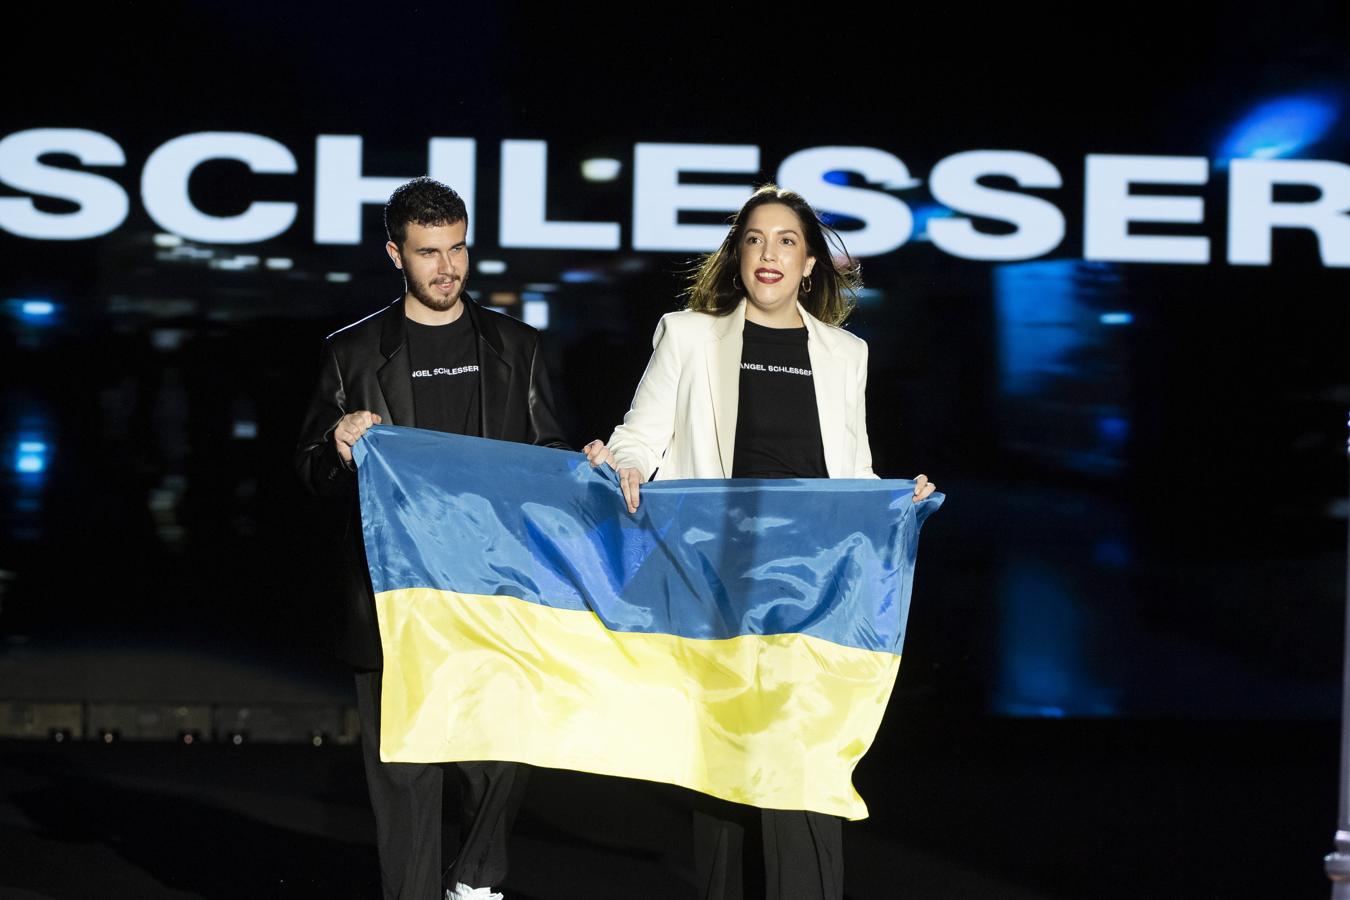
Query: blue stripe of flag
[{"x": 832, "y": 558}]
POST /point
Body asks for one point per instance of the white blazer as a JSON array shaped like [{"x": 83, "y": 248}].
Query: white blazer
[{"x": 683, "y": 417}]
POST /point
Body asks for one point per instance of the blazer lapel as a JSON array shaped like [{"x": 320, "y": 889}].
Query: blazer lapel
[
  {"x": 723, "y": 356},
  {"x": 830, "y": 377},
  {"x": 395, "y": 376},
  {"x": 494, "y": 373}
]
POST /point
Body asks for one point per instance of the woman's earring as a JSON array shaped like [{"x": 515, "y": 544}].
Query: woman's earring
[
  {"x": 736, "y": 281},
  {"x": 806, "y": 285}
]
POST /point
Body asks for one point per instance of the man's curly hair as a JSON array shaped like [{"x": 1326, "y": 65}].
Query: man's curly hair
[{"x": 423, "y": 201}]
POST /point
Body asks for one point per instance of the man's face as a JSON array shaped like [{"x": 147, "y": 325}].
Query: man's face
[{"x": 435, "y": 263}]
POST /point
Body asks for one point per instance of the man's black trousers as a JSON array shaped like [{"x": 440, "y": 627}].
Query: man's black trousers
[{"x": 415, "y": 861}]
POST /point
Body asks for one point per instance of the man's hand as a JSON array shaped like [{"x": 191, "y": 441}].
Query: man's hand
[{"x": 349, "y": 430}]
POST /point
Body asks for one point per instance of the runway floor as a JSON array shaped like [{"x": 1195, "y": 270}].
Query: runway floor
[{"x": 987, "y": 808}]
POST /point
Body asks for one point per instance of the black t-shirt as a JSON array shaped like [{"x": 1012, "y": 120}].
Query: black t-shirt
[
  {"x": 777, "y": 426},
  {"x": 444, "y": 362}
]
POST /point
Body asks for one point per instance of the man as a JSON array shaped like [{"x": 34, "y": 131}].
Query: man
[{"x": 433, "y": 359}]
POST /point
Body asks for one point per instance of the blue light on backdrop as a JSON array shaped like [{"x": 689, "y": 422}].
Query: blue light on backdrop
[
  {"x": 1049, "y": 655},
  {"x": 30, "y": 457},
  {"x": 581, "y": 276},
  {"x": 925, "y": 214},
  {"x": 32, "y": 310},
  {"x": 1279, "y": 128}
]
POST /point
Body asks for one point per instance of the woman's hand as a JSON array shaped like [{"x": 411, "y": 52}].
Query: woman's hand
[
  {"x": 598, "y": 453},
  {"x": 629, "y": 478},
  {"x": 922, "y": 488}
]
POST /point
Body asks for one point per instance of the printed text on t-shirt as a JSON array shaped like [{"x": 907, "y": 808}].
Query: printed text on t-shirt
[
  {"x": 427, "y": 373},
  {"x": 788, "y": 370}
]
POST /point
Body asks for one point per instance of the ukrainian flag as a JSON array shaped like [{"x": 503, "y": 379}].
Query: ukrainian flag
[{"x": 740, "y": 638}]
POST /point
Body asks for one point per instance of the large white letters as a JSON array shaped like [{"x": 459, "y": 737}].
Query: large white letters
[
  {"x": 59, "y": 197},
  {"x": 523, "y": 205},
  {"x": 887, "y": 222},
  {"x": 164, "y": 187},
  {"x": 658, "y": 196},
  {"x": 955, "y": 184},
  {"x": 1253, "y": 212},
  {"x": 1110, "y": 208},
  {"x": 102, "y": 202},
  {"x": 340, "y": 190}
]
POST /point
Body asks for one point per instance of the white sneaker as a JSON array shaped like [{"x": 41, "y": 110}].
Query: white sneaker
[{"x": 462, "y": 891}]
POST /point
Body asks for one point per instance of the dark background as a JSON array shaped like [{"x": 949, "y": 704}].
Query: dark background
[{"x": 1145, "y": 522}]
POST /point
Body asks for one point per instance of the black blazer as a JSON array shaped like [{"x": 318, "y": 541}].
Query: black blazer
[{"x": 365, "y": 366}]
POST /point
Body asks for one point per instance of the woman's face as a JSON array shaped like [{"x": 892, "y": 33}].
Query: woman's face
[{"x": 774, "y": 257}]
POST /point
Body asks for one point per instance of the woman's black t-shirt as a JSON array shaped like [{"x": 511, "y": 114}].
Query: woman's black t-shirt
[{"x": 777, "y": 424}]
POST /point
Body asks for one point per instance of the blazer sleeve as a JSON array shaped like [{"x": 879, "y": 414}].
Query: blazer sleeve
[
  {"x": 643, "y": 438},
  {"x": 544, "y": 429},
  {"x": 862, "y": 462},
  {"x": 316, "y": 457}
]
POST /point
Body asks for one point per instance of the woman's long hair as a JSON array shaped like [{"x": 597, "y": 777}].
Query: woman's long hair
[{"x": 834, "y": 284}]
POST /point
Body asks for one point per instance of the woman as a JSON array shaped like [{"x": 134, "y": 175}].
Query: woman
[{"x": 755, "y": 379}]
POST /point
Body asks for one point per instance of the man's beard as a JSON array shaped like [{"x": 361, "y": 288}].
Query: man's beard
[{"x": 433, "y": 299}]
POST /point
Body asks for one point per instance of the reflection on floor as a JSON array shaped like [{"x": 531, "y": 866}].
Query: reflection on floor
[{"x": 994, "y": 808}]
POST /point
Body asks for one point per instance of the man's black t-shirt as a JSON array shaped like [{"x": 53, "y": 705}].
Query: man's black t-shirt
[
  {"x": 777, "y": 425},
  {"x": 444, "y": 362}
]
